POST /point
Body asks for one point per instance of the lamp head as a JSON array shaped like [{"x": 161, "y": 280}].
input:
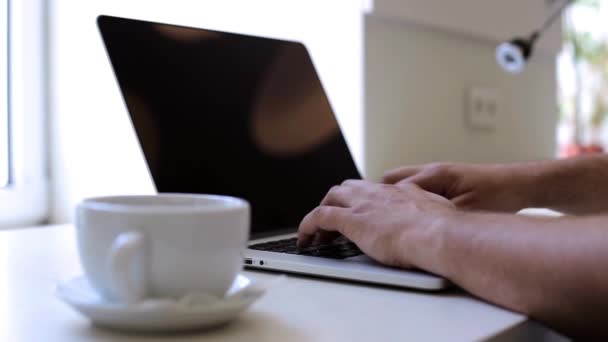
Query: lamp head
[{"x": 513, "y": 56}]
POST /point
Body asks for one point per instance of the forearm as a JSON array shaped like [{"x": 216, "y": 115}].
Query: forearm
[
  {"x": 576, "y": 186},
  {"x": 551, "y": 269}
]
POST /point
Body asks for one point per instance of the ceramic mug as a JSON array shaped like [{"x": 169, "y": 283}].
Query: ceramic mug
[{"x": 161, "y": 246}]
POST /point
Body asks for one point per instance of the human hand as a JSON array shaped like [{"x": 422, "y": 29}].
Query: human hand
[
  {"x": 504, "y": 188},
  {"x": 391, "y": 224}
]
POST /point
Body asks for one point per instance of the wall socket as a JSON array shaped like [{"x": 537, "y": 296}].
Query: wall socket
[{"x": 482, "y": 107}]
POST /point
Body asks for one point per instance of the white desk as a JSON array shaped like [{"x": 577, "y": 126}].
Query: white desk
[{"x": 32, "y": 261}]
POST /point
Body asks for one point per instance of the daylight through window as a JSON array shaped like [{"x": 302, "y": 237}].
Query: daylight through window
[{"x": 4, "y": 114}]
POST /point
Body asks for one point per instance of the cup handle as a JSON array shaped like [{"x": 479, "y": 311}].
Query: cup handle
[{"x": 125, "y": 264}]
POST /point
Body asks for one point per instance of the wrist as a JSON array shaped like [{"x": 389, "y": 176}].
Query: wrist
[
  {"x": 529, "y": 183},
  {"x": 448, "y": 234},
  {"x": 563, "y": 183},
  {"x": 428, "y": 247},
  {"x": 457, "y": 242}
]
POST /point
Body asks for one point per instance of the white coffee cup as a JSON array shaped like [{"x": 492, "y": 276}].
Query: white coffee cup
[{"x": 161, "y": 246}]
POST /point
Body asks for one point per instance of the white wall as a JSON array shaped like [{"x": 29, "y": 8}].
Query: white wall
[
  {"x": 415, "y": 112},
  {"x": 94, "y": 149}
]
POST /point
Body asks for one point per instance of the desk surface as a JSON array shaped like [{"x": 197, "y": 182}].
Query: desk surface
[{"x": 33, "y": 261}]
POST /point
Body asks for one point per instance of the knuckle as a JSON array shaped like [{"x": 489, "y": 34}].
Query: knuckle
[
  {"x": 393, "y": 175},
  {"x": 349, "y": 182},
  {"x": 334, "y": 189},
  {"x": 323, "y": 213},
  {"x": 320, "y": 212},
  {"x": 438, "y": 168}
]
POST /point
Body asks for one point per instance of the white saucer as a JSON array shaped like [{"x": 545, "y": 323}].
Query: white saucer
[{"x": 160, "y": 315}]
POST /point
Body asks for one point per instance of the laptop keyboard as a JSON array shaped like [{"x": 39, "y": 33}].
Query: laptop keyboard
[{"x": 340, "y": 248}]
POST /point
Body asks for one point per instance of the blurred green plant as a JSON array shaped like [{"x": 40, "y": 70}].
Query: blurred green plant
[
  {"x": 591, "y": 52},
  {"x": 591, "y": 3}
]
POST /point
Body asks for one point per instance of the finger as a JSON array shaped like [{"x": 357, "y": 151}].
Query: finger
[
  {"x": 324, "y": 237},
  {"x": 423, "y": 179},
  {"x": 339, "y": 196},
  {"x": 356, "y": 183},
  {"x": 321, "y": 219},
  {"x": 396, "y": 175},
  {"x": 435, "y": 180}
]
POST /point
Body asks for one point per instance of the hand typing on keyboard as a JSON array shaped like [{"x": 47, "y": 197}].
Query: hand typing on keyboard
[
  {"x": 387, "y": 222},
  {"x": 545, "y": 268}
]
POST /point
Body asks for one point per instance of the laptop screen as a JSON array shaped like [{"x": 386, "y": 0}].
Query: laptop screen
[{"x": 229, "y": 114}]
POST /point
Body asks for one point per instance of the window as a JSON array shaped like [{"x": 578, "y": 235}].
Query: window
[
  {"x": 583, "y": 80},
  {"x": 23, "y": 185},
  {"x": 4, "y": 119}
]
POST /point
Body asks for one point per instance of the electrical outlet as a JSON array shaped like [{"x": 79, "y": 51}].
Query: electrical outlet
[{"x": 482, "y": 107}]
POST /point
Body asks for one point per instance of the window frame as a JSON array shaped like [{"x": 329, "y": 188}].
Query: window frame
[
  {"x": 25, "y": 200},
  {"x": 4, "y": 117}
]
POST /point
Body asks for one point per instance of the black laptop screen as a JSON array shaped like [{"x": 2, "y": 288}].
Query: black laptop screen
[{"x": 229, "y": 114}]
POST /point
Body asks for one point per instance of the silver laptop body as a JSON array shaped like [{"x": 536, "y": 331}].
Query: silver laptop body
[{"x": 358, "y": 268}]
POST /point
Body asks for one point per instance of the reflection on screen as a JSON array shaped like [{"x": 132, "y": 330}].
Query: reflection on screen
[{"x": 230, "y": 114}]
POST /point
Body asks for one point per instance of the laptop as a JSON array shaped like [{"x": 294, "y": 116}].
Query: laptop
[{"x": 245, "y": 116}]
